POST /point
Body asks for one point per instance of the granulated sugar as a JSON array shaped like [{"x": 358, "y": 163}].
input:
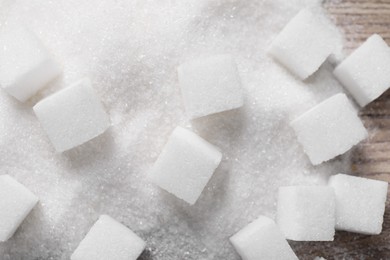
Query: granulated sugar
[{"x": 130, "y": 50}]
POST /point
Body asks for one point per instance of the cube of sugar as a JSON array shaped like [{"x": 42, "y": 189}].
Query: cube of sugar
[
  {"x": 185, "y": 165},
  {"x": 109, "y": 239},
  {"x": 360, "y": 203},
  {"x": 366, "y": 72},
  {"x": 72, "y": 116},
  {"x": 307, "y": 213},
  {"x": 305, "y": 42},
  {"x": 262, "y": 239},
  {"x": 25, "y": 64},
  {"x": 16, "y": 202},
  {"x": 210, "y": 85},
  {"x": 329, "y": 129}
]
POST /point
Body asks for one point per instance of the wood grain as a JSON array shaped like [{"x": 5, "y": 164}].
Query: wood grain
[{"x": 359, "y": 19}]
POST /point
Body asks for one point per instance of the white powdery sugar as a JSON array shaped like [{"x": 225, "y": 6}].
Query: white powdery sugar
[{"x": 131, "y": 50}]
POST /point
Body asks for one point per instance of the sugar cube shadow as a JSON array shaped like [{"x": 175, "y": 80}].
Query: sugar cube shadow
[
  {"x": 227, "y": 124},
  {"x": 50, "y": 88},
  {"x": 146, "y": 255},
  {"x": 346, "y": 245},
  {"x": 98, "y": 148}
]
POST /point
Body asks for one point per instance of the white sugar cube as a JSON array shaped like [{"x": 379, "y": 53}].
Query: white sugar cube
[
  {"x": 25, "y": 64},
  {"x": 16, "y": 202},
  {"x": 72, "y": 116},
  {"x": 366, "y": 72},
  {"x": 305, "y": 42},
  {"x": 262, "y": 239},
  {"x": 185, "y": 165},
  {"x": 360, "y": 203},
  {"x": 329, "y": 129},
  {"x": 307, "y": 213},
  {"x": 210, "y": 85},
  {"x": 109, "y": 239}
]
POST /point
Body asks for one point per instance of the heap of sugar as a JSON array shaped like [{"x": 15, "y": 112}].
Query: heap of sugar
[
  {"x": 131, "y": 50},
  {"x": 210, "y": 85},
  {"x": 329, "y": 129},
  {"x": 307, "y": 213},
  {"x": 360, "y": 203},
  {"x": 305, "y": 42},
  {"x": 26, "y": 66},
  {"x": 109, "y": 239},
  {"x": 16, "y": 202},
  {"x": 72, "y": 116},
  {"x": 185, "y": 165},
  {"x": 366, "y": 72},
  {"x": 262, "y": 239}
]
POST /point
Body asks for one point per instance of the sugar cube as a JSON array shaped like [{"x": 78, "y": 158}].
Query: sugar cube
[
  {"x": 16, "y": 202},
  {"x": 109, "y": 239},
  {"x": 262, "y": 239},
  {"x": 210, "y": 85},
  {"x": 360, "y": 203},
  {"x": 307, "y": 213},
  {"x": 185, "y": 165},
  {"x": 305, "y": 42},
  {"x": 366, "y": 72},
  {"x": 72, "y": 116},
  {"x": 329, "y": 129},
  {"x": 26, "y": 66}
]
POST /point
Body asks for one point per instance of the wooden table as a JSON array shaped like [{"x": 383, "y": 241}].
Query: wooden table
[{"x": 359, "y": 19}]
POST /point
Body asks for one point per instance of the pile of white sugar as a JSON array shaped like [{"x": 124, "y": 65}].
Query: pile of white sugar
[{"x": 131, "y": 50}]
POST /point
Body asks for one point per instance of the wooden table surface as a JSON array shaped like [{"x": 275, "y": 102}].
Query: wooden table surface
[{"x": 359, "y": 19}]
